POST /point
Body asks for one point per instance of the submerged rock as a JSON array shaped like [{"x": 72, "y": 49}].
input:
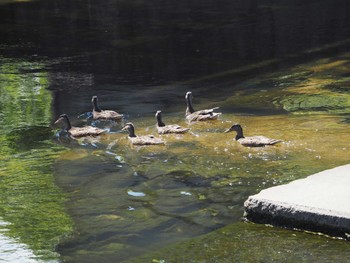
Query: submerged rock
[{"x": 305, "y": 103}]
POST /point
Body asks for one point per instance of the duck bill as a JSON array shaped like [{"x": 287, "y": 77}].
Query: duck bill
[
  {"x": 228, "y": 130},
  {"x": 125, "y": 128},
  {"x": 57, "y": 121}
]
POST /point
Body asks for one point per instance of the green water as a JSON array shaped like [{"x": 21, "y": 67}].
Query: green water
[
  {"x": 128, "y": 201},
  {"x": 242, "y": 242},
  {"x": 102, "y": 199},
  {"x": 30, "y": 201}
]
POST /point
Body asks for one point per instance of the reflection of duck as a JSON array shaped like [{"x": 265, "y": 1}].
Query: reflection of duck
[
  {"x": 255, "y": 141},
  {"x": 141, "y": 140},
  {"x": 170, "y": 128},
  {"x": 78, "y": 131},
  {"x": 99, "y": 114},
  {"x": 201, "y": 115}
]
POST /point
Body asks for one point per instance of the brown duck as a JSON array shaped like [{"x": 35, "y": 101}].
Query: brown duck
[
  {"x": 170, "y": 128},
  {"x": 99, "y": 114},
  {"x": 78, "y": 131},
  {"x": 141, "y": 140},
  {"x": 254, "y": 141},
  {"x": 201, "y": 115}
]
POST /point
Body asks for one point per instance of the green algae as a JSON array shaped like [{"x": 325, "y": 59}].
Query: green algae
[
  {"x": 317, "y": 103},
  {"x": 242, "y": 242},
  {"x": 30, "y": 201},
  {"x": 326, "y": 90},
  {"x": 315, "y": 88}
]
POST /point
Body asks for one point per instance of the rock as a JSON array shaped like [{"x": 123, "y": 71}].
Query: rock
[{"x": 319, "y": 203}]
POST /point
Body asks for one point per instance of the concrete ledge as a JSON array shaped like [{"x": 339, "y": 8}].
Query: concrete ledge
[{"x": 319, "y": 203}]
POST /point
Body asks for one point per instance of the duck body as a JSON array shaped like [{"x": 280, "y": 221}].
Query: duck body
[
  {"x": 146, "y": 140},
  {"x": 170, "y": 128},
  {"x": 253, "y": 141},
  {"x": 99, "y": 114},
  {"x": 257, "y": 141},
  {"x": 78, "y": 131},
  {"x": 141, "y": 140},
  {"x": 201, "y": 115},
  {"x": 85, "y": 131}
]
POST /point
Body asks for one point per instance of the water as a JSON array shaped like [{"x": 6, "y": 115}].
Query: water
[
  {"x": 12, "y": 250},
  {"x": 272, "y": 67}
]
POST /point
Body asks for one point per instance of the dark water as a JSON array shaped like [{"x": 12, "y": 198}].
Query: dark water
[
  {"x": 159, "y": 42},
  {"x": 280, "y": 68}
]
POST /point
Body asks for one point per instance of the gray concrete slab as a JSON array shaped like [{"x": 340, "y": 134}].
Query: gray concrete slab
[{"x": 319, "y": 202}]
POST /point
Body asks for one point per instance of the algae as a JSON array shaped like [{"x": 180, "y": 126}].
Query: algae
[
  {"x": 266, "y": 244},
  {"x": 30, "y": 201}
]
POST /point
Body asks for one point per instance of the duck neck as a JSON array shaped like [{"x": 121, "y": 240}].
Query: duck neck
[
  {"x": 189, "y": 108},
  {"x": 68, "y": 124},
  {"x": 132, "y": 132},
  {"x": 239, "y": 134},
  {"x": 160, "y": 123},
  {"x": 95, "y": 107}
]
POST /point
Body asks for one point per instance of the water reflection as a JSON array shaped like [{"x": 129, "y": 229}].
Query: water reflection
[
  {"x": 161, "y": 42},
  {"x": 140, "y": 57},
  {"x": 29, "y": 198},
  {"x": 125, "y": 198},
  {"x": 12, "y": 250}
]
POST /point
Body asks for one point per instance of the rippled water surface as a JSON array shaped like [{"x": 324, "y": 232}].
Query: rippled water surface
[
  {"x": 138, "y": 199},
  {"x": 100, "y": 199}
]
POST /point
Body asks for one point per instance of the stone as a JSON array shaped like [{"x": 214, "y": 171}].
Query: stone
[{"x": 319, "y": 203}]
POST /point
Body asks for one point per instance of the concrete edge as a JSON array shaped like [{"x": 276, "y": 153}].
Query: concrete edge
[{"x": 297, "y": 217}]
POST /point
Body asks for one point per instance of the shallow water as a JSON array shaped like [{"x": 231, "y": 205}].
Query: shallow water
[
  {"x": 128, "y": 200},
  {"x": 101, "y": 199},
  {"x": 124, "y": 201},
  {"x": 12, "y": 250}
]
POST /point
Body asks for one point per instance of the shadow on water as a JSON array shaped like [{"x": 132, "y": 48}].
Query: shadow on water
[
  {"x": 258, "y": 61},
  {"x": 158, "y": 42}
]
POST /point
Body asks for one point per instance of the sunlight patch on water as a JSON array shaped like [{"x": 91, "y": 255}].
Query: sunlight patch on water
[
  {"x": 136, "y": 194},
  {"x": 14, "y": 251}
]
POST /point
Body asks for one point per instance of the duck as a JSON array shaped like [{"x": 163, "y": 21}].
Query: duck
[
  {"x": 170, "y": 128},
  {"x": 99, "y": 114},
  {"x": 201, "y": 115},
  {"x": 140, "y": 140},
  {"x": 254, "y": 141},
  {"x": 78, "y": 131}
]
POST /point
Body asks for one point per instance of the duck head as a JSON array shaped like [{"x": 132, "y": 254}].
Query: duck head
[
  {"x": 158, "y": 114},
  {"x": 237, "y": 128},
  {"x": 64, "y": 118},
  {"x": 130, "y": 128},
  {"x": 188, "y": 95},
  {"x": 94, "y": 99}
]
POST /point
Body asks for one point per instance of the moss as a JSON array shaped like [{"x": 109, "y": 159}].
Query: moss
[
  {"x": 245, "y": 242},
  {"x": 307, "y": 103}
]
